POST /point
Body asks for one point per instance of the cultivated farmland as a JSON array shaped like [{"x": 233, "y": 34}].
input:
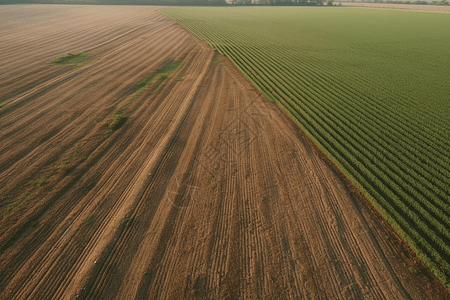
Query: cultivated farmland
[
  {"x": 371, "y": 87},
  {"x": 138, "y": 163}
]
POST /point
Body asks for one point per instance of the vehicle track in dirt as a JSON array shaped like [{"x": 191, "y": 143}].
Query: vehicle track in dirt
[{"x": 208, "y": 191}]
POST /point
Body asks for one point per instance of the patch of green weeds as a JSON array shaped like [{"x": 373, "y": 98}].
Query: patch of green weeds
[
  {"x": 40, "y": 182},
  {"x": 162, "y": 80},
  {"x": 85, "y": 221},
  {"x": 69, "y": 159},
  {"x": 3, "y": 104},
  {"x": 161, "y": 74},
  {"x": 74, "y": 153},
  {"x": 129, "y": 221},
  {"x": 412, "y": 270},
  {"x": 180, "y": 77},
  {"x": 71, "y": 59},
  {"x": 117, "y": 120},
  {"x": 15, "y": 205}
]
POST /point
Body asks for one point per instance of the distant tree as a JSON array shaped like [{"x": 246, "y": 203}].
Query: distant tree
[
  {"x": 330, "y": 3},
  {"x": 218, "y": 2}
]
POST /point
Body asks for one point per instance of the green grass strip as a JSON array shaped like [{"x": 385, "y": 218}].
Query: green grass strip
[
  {"x": 73, "y": 60},
  {"x": 161, "y": 74}
]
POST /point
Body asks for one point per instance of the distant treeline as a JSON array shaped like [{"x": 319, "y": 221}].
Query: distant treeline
[
  {"x": 280, "y": 2},
  {"x": 173, "y": 2},
  {"x": 420, "y": 2},
  {"x": 218, "y": 2}
]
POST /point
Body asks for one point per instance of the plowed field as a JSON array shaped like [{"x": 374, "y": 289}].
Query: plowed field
[{"x": 206, "y": 191}]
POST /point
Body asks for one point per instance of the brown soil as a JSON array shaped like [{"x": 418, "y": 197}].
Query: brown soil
[
  {"x": 208, "y": 191},
  {"x": 429, "y": 8}
]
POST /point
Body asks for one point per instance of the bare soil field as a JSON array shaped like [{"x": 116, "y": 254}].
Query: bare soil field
[
  {"x": 432, "y": 8},
  {"x": 206, "y": 191}
]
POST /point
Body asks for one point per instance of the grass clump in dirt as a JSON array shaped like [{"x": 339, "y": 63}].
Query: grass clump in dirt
[
  {"x": 73, "y": 60},
  {"x": 85, "y": 221},
  {"x": 117, "y": 122},
  {"x": 129, "y": 221},
  {"x": 180, "y": 77},
  {"x": 161, "y": 75},
  {"x": 3, "y": 104},
  {"x": 42, "y": 181},
  {"x": 39, "y": 183},
  {"x": 15, "y": 205}
]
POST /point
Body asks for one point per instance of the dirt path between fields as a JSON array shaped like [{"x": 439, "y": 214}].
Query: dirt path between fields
[{"x": 206, "y": 191}]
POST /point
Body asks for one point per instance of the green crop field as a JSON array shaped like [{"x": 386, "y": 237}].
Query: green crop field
[{"x": 371, "y": 88}]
